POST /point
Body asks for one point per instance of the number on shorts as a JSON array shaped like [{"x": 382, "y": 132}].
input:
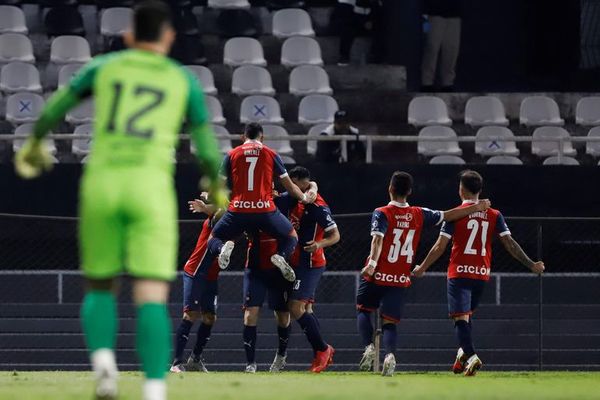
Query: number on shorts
[
  {"x": 252, "y": 161},
  {"x": 402, "y": 249},
  {"x": 473, "y": 226}
]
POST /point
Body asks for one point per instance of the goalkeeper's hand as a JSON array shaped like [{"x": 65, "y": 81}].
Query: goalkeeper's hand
[
  {"x": 33, "y": 159},
  {"x": 219, "y": 195}
]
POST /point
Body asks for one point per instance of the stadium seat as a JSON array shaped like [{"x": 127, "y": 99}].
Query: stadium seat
[
  {"x": 311, "y": 145},
  {"x": 299, "y": 50},
  {"x": 25, "y": 130},
  {"x": 66, "y": 72},
  {"x": 588, "y": 111},
  {"x": 205, "y": 76},
  {"x": 292, "y": 22},
  {"x": 20, "y": 77},
  {"x": 252, "y": 80},
  {"x": 504, "y": 160},
  {"x": 12, "y": 20},
  {"x": 81, "y": 147},
  {"x": 428, "y": 110},
  {"x": 447, "y": 160},
  {"x": 593, "y": 148},
  {"x": 317, "y": 109},
  {"x": 554, "y": 160},
  {"x": 216, "y": 110},
  {"x": 484, "y": 111},
  {"x": 287, "y": 160},
  {"x": 309, "y": 79},
  {"x": 492, "y": 146},
  {"x": 82, "y": 114},
  {"x": 70, "y": 50},
  {"x": 242, "y": 50},
  {"x": 15, "y": 47},
  {"x": 431, "y": 148},
  {"x": 229, "y": 4},
  {"x": 64, "y": 21},
  {"x": 115, "y": 21},
  {"x": 261, "y": 109},
  {"x": 543, "y": 145},
  {"x": 23, "y": 107},
  {"x": 282, "y": 147},
  {"x": 540, "y": 111},
  {"x": 224, "y": 144}
]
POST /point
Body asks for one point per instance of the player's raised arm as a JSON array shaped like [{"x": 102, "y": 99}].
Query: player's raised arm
[
  {"x": 292, "y": 189},
  {"x": 462, "y": 212}
]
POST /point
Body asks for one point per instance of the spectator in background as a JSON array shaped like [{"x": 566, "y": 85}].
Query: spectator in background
[
  {"x": 333, "y": 152},
  {"x": 354, "y": 18},
  {"x": 443, "y": 23}
]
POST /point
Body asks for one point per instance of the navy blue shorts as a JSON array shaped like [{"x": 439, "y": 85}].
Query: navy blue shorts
[
  {"x": 464, "y": 296},
  {"x": 389, "y": 299},
  {"x": 307, "y": 281},
  {"x": 199, "y": 294},
  {"x": 266, "y": 284},
  {"x": 231, "y": 225}
]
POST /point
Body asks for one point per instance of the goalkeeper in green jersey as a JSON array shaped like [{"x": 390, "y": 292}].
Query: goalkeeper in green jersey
[{"x": 128, "y": 204}]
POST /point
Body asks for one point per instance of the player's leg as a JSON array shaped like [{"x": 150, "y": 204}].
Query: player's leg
[
  {"x": 473, "y": 363},
  {"x": 459, "y": 309},
  {"x": 228, "y": 228},
  {"x": 254, "y": 296},
  {"x": 278, "y": 226},
  {"x": 191, "y": 314},
  {"x": 208, "y": 305},
  {"x": 278, "y": 294},
  {"x": 392, "y": 304},
  {"x": 367, "y": 300}
]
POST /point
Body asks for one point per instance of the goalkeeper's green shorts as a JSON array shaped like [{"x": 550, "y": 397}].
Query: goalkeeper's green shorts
[{"x": 128, "y": 224}]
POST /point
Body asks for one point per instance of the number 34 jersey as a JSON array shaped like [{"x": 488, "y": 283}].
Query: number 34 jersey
[
  {"x": 400, "y": 225},
  {"x": 472, "y": 237}
]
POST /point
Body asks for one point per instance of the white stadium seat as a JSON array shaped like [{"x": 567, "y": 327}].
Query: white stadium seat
[
  {"x": 493, "y": 146},
  {"x": 554, "y": 160},
  {"x": 309, "y": 79},
  {"x": 20, "y": 77},
  {"x": 317, "y": 109},
  {"x": 250, "y": 80},
  {"x": 215, "y": 110},
  {"x": 428, "y": 110},
  {"x": 261, "y": 109},
  {"x": 23, "y": 107},
  {"x": 12, "y": 20},
  {"x": 300, "y": 50},
  {"x": 292, "y": 22},
  {"x": 229, "y": 4},
  {"x": 282, "y": 147},
  {"x": 24, "y": 131},
  {"x": 224, "y": 144},
  {"x": 82, "y": 114},
  {"x": 543, "y": 145},
  {"x": 447, "y": 160},
  {"x": 311, "y": 145},
  {"x": 593, "y": 148},
  {"x": 540, "y": 111},
  {"x": 434, "y": 148},
  {"x": 242, "y": 51},
  {"x": 484, "y": 111},
  {"x": 206, "y": 78},
  {"x": 66, "y": 73},
  {"x": 81, "y": 147},
  {"x": 115, "y": 21},
  {"x": 15, "y": 47},
  {"x": 70, "y": 50},
  {"x": 504, "y": 160},
  {"x": 287, "y": 160},
  {"x": 588, "y": 111}
]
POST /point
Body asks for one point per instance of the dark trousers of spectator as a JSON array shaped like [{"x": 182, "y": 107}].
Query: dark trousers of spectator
[
  {"x": 350, "y": 25},
  {"x": 441, "y": 48}
]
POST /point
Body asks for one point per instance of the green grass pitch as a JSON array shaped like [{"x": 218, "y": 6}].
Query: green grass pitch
[{"x": 305, "y": 386}]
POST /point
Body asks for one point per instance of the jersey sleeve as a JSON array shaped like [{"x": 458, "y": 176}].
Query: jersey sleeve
[
  {"x": 225, "y": 169},
  {"x": 432, "y": 217},
  {"x": 379, "y": 223},
  {"x": 447, "y": 229},
  {"x": 283, "y": 203},
  {"x": 323, "y": 217},
  {"x": 278, "y": 166},
  {"x": 501, "y": 226},
  {"x": 197, "y": 112}
]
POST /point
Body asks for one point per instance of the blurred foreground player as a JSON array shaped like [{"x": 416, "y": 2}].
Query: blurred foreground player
[
  {"x": 141, "y": 100},
  {"x": 470, "y": 264},
  {"x": 396, "y": 230}
]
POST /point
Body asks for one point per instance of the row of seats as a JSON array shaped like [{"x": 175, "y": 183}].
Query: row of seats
[
  {"x": 489, "y": 111},
  {"x": 503, "y": 160}
]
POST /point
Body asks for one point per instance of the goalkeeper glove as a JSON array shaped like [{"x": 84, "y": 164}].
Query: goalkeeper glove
[{"x": 33, "y": 158}]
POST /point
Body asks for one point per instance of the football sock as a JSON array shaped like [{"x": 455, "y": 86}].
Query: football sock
[
  {"x": 99, "y": 320},
  {"x": 310, "y": 328},
  {"x": 463, "y": 334},
  {"x": 286, "y": 245},
  {"x": 214, "y": 246},
  {"x": 201, "y": 339},
  {"x": 316, "y": 319},
  {"x": 153, "y": 339},
  {"x": 250, "y": 343},
  {"x": 389, "y": 338},
  {"x": 365, "y": 327},
  {"x": 181, "y": 339},
  {"x": 284, "y": 338}
]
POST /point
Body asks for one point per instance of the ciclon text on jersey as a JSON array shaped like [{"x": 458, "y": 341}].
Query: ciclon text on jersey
[
  {"x": 471, "y": 269},
  {"x": 391, "y": 278},
  {"x": 252, "y": 204}
]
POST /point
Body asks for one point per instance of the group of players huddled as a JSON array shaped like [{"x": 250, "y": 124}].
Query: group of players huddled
[{"x": 286, "y": 234}]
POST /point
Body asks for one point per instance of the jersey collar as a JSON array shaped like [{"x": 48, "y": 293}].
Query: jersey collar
[
  {"x": 253, "y": 141},
  {"x": 398, "y": 204},
  {"x": 469, "y": 202}
]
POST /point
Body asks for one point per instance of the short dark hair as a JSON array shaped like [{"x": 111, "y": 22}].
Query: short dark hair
[
  {"x": 149, "y": 19},
  {"x": 299, "y": 173},
  {"x": 253, "y": 130},
  {"x": 401, "y": 183},
  {"x": 472, "y": 181}
]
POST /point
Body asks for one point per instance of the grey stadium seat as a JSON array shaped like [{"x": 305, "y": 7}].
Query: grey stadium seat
[
  {"x": 311, "y": 145},
  {"x": 543, "y": 145},
  {"x": 69, "y": 50},
  {"x": 66, "y": 72},
  {"x": 206, "y": 78},
  {"x": 12, "y": 20},
  {"x": 504, "y": 160},
  {"x": 588, "y": 111},
  {"x": 287, "y": 160},
  {"x": 224, "y": 144},
  {"x": 243, "y": 51},
  {"x": 15, "y": 47},
  {"x": 20, "y": 77},
  {"x": 317, "y": 109},
  {"x": 565, "y": 161},
  {"x": 282, "y": 147},
  {"x": 433, "y": 148},
  {"x": 299, "y": 50},
  {"x": 23, "y": 107},
  {"x": 428, "y": 110},
  {"x": 82, "y": 114},
  {"x": 115, "y": 21},
  {"x": 252, "y": 80},
  {"x": 309, "y": 79},
  {"x": 492, "y": 146},
  {"x": 593, "y": 148},
  {"x": 292, "y": 22},
  {"x": 25, "y": 130},
  {"x": 447, "y": 160},
  {"x": 81, "y": 147},
  {"x": 216, "y": 110},
  {"x": 484, "y": 111},
  {"x": 261, "y": 109},
  {"x": 229, "y": 4},
  {"x": 540, "y": 111}
]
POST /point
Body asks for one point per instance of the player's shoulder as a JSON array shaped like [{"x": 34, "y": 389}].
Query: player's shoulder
[
  {"x": 320, "y": 201},
  {"x": 494, "y": 211}
]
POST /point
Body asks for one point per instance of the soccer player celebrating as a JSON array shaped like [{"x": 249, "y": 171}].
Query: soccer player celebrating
[
  {"x": 200, "y": 290},
  {"x": 396, "y": 231},
  {"x": 141, "y": 99},
  {"x": 470, "y": 264}
]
